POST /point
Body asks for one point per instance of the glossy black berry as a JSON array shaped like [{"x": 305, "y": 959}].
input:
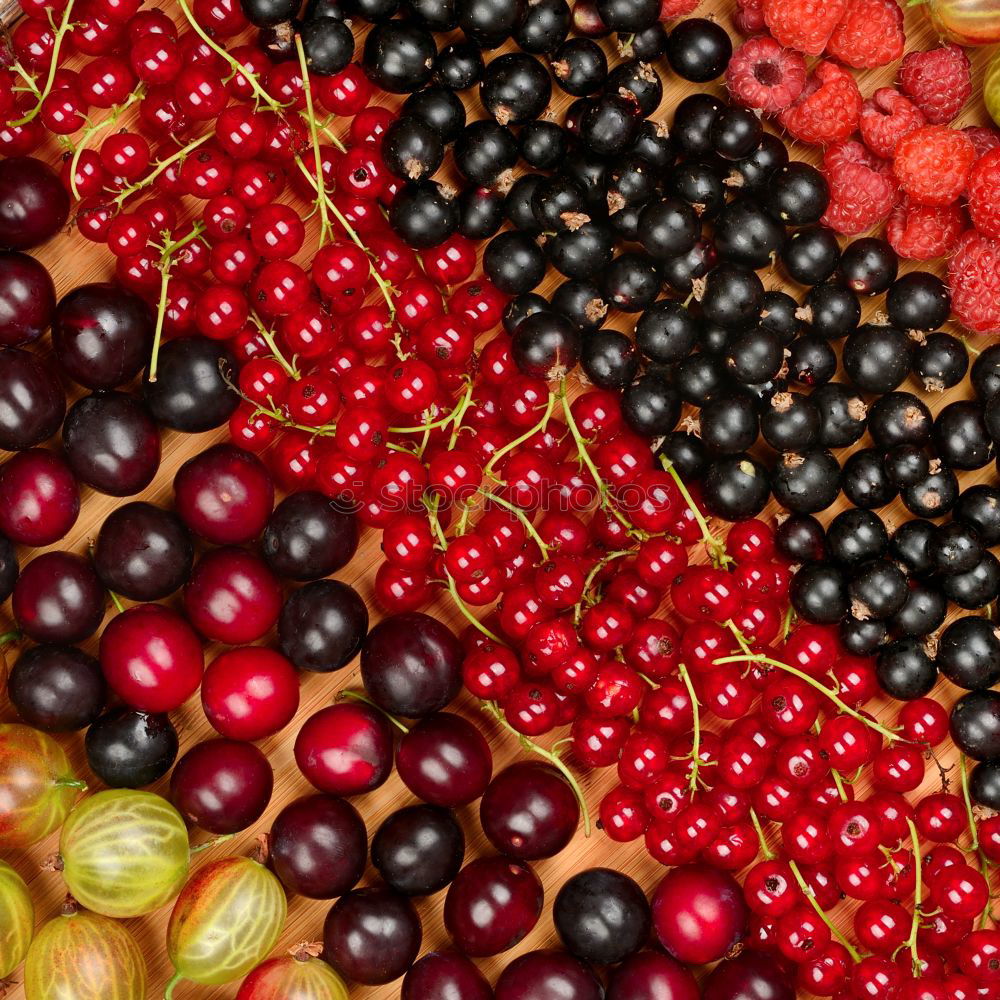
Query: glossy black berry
[
  {"x": 735, "y": 133},
  {"x": 648, "y": 44},
  {"x": 811, "y": 255},
  {"x": 729, "y": 423},
  {"x": 581, "y": 253},
  {"x": 56, "y": 688},
  {"x": 480, "y": 212},
  {"x": 693, "y": 120},
  {"x": 961, "y": 436},
  {"x": 129, "y": 749},
  {"x": 754, "y": 172},
  {"x": 985, "y": 374},
  {"x": 412, "y": 149},
  {"x": 918, "y": 301},
  {"x": 651, "y": 405},
  {"x": 521, "y": 307},
  {"x": 877, "y": 358},
  {"x": 800, "y": 538},
  {"x": 543, "y": 25},
  {"x": 580, "y": 67},
  {"x": 484, "y": 151},
  {"x": 865, "y": 481},
  {"x": 904, "y": 670},
  {"x": 877, "y": 589},
  {"x": 328, "y": 44},
  {"x": 686, "y": 453},
  {"x": 974, "y": 588},
  {"x": 628, "y": 15},
  {"x": 419, "y": 849},
  {"x": 941, "y": 362},
  {"x": 907, "y": 464},
  {"x": 732, "y": 295},
  {"x": 666, "y": 332},
  {"x": 631, "y": 182},
  {"x": 862, "y": 638},
  {"x": 267, "y": 13},
  {"x": 933, "y": 496},
  {"x": 542, "y": 144},
  {"x": 818, "y": 593},
  {"x": 545, "y": 345},
  {"x": 699, "y": 185},
  {"x": 699, "y": 377},
  {"x": 979, "y": 506},
  {"x": 515, "y": 88},
  {"x": 698, "y": 49},
  {"x": 514, "y": 262},
  {"x": 609, "y": 359},
  {"x": 790, "y": 422},
  {"x": 831, "y": 311},
  {"x": 422, "y": 215},
  {"x": 869, "y": 266},
  {"x": 811, "y": 361},
  {"x": 923, "y": 612},
  {"x": 609, "y": 125},
  {"x": 854, "y": 536},
  {"x": 581, "y": 303},
  {"x": 911, "y": 545},
  {"x": 899, "y": 418},
  {"x": 797, "y": 194},
  {"x": 843, "y": 414},
  {"x": 736, "y": 487},
  {"x": 489, "y": 23},
  {"x": 968, "y": 653},
  {"x": 668, "y": 227},
  {"x": 807, "y": 482},
  {"x": 439, "y": 108},
  {"x": 630, "y": 282},
  {"x": 984, "y": 785},
  {"x": 755, "y": 356},
  {"x": 399, "y": 56},
  {"x": 638, "y": 82},
  {"x": 777, "y": 314},
  {"x": 975, "y": 725},
  {"x": 745, "y": 233},
  {"x": 682, "y": 271},
  {"x": 517, "y": 204},
  {"x": 459, "y": 66}
]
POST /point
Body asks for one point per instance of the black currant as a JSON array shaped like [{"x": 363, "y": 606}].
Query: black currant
[
  {"x": 609, "y": 359},
  {"x": 729, "y": 423},
  {"x": 693, "y": 119},
  {"x": 399, "y": 56},
  {"x": 735, "y": 487},
  {"x": 422, "y": 215},
  {"x": 975, "y": 725},
  {"x": 911, "y": 545},
  {"x": 698, "y": 49},
  {"x": 746, "y": 233},
  {"x": 581, "y": 303},
  {"x": 843, "y": 414},
  {"x": 480, "y": 212},
  {"x": 923, "y": 612},
  {"x": 961, "y": 436},
  {"x": 918, "y": 301},
  {"x": 412, "y": 149},
  {"x": 542, "y": 144},
  {"x": 933, "y": 496},
  {"x": 831, "y": 311},
  {"x": 806, "y": 482},
  {"x": 484, "y": 151},
  {"x": 440, "y": 108},
  {"x": 459, "y": 66},
  {"x": 686, "y": 453},
  {"x": 818, "y": 593},
  {"x": 979, "y": 506},
  {"x": 968, "y": 653},
  {"x": 810, "y": 255},
  {"x": 811, "y": 361},
  {"x": 904, "y": 670},
  {"x": 545, "y": 344},
  {"x": 941, "y": 361},
  {"x": 731, "y": 296},
  {"x": 877, "y": 589},
  {"x": 515, "y": 88},
  {"x": 865, "y": 481},
  {"x": 877, "y": 358},
  {"x": 543, "y": 25},
  {"x": 856, "y": 535},
  {"x": 800, "y": 538},
  {"x": 899, "y": 418},
  {"x": 328, "y": 44},
  {"x": 514, "y": 262},
  {"x": 977, "y": 587},
  {"x": 869, "y": 266},
  {"x": 651, "y": 405}
]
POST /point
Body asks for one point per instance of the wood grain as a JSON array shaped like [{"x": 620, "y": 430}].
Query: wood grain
[{"x": 73, "y": 261}]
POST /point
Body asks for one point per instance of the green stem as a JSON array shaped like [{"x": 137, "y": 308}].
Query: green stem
[
  {"x": 467, "y": 613},
  {"x": 553, "y": 758},
  {"x": 116, "y": 112},
  {"x": 325, "y": 230},
  {"x": 177, "y": 977},
  {"x": 14, "y": 635},
  {"x": 209, "y": 844},
  {"x": 272, "y": 345},
  {"x": 589, "y": 582},
  {"x": 523, "y": 518},
  {"x": 434, "y": 425},
  {"x": 162, "y": 165},
  {"x": 769, "y": 855},
  {"x": 365, "y": 700},
  {"x": 262, "y": 95},
  {"x": 70, "y": 783},
  {"x": 64, "y": 27},
  {"x": 716, "y": 548},
  {"x": 526, "y": 436},
  {"x": 811, "y": 896},
  {"x": 333, "y": 137},
  {"x": 696, "y": 735},
  {"x": 918, "y": 891},
  {"x": 973, "y": 827},
  {"x": 116, "y": 601}
]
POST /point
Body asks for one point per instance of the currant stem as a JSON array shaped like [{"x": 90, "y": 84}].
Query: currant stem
[
  {"x": 589, "y": 581},
  {"x": 522, "y": 517},
  {"x": 162, "y": 165},
  {"x": 325, "y": 230},
  {"x": 268, "y": 337},
  {"x": 553, "y": 758},
  {"x": 116, "y": 601},
  {"x": 177, "y": 977},
  {"x": 455, "y": 414},
  {"x": 716, "y": 548},
  {"x": 973, "y": 826},
  {"x": 918, "y": 891},
  {"x": 696, "y": 727},
  {"x": 209, "y": 844},
  {"x": 116, "y": 112},
  {"x": 70, "y": 783},
  {"x": 14, "y": 635},
  {"x": 60, "y": 34},
  {"x": 811, "y": 896},
  {"x": 769, "y": 855},
  {"x": 365, "y": 700},
  {"x": 526, "y": 436}
]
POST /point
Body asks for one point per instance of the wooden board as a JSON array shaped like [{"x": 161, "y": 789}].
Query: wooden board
[{"x": 73, "y": 261}]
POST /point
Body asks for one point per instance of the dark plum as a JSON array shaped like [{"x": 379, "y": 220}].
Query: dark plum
[
  {"x": 143, "y": 552},
  {"x": 130, "y": 749},
  {"x": 57, "y": 688},
  {"x": 445, "y": 760},
  {"x": 319, "y": 846},
  {"x": 372, "y": 936},
  {"x": 191, "y": 392},
  {"x": 492, "y": 904},
  {"x": 418, "y": 850},
  {"x": 102, "y": 335},
  {"x": 112, "y": 443},
  {"x": 222, "y": 785},
  {"x": 27, "y": 299},
  {"x": 32, "y": 402},
  {"x": 411, "y": 665},
  {"x": 602, "y": 916},
  {"x": 58, "y": 598}
]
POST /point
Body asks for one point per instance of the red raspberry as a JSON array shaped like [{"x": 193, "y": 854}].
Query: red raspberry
[
  {"x": 974, "y": 276},
  {"x": 862, "y": 190},
  {"x": 749, "y": 17},
  {"x": 932, "y": 164},
  {"x": 805, "y": 25},
  {"x": 827, "y": 110},
  {"x": 885, "y": 118},
  {"x": 938, "y": 82},
  {"x": 983, "y": 192},
  {"x": 671, "y": 9},
  {"x": 764, "y": 75},
  {"x": 983, "y": 138},
  {"x": 870, "y": 34},
  {"x": 923, "y": 232}
]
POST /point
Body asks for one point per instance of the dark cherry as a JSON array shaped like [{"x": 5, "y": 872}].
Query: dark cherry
[
  {"x": 445, "y": 975},
  {"x": 27, "y": 299},
  {"x": 130, "y": 749},
  {"x": 411, "y": 665},
  {"x": 57, "y": 688},
  {"x": 319, "y": 846},
  {"x": 112, "y": 443},
  {"x": 308, "y": 536},
  {"x": 190, "y": 393},
  {"x": 548, "y": 975},
  {"x": 225, "y": 495},
  {"x": 322, "y": 626},
  {"x": 528, "y": 811},
  {"x": 601, "y": 916},
  {"x": 650, "y": 974},
  {"x": 444, "y": 760},
  {"x": 372, "y": 936},
  {"x": 232, "y": 596},
  {"x": 32, "y": 402},
  {"x": 491, "y": 905},
  {"x": 102, "y": 335},
  {"x": 419, "y": 850},
  {"x": 751, "y": 975},
  {"x": 58, "y": 598},
  {"x": 345, "y": 749},
  {"x": 143, "y": 552},
  {"x": 222, "y": 785},
  {"x": 34, "y": 205},
  {"x": 39, "y": 498}
]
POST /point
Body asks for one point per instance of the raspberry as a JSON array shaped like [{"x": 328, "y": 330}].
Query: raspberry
[
  {"x": 764, "y": 75},
  {"x": 983, "y": 191},
  {"x": 749, "y": 17},
  {"x": 827, "y": 110},
  {"x": 923, "y": 232},
  {"x": 671, "y": 9},
  {"x": 984, "y": 139},
  {"x": 932, "y": 164},
  {"x": 862, "y": 190},
  {"x": 870, "y": 34},
  {"x": 805, "y": 25},
  {"x": 974, "y": 276},
  {"x": 885, "y": 118},
  {"x": 938, "y": 82}
]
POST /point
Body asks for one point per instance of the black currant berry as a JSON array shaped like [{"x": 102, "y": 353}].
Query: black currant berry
[
  {"x": 968, "y": 653},
  {"x": 862, "y": 638},
  {"x": 755, "y": 357},
  {"x": 735, "y": 133},
  {"x": 975, "y": 725},
  {"x": 877, "y": 358},
  {"x": 811, "y": 254},
  {"x": 651, "y": 405},
  {"x": 581, "y": 253},
  {"x": 818, "y": 593},
  {"x": 933, "y": 496},
  {"x": 637, "y": 81},
  {"x": 542, "y": 144},
  {"x": 693, "y": 119},
  {"x": 854, "y": 536},
  {"x": 906, "y": 464},
  {"x": 732, "y": 295},
  {"x": 979, "y": 506},
  {"x": 438, "y": 107},
  {"x": 545, "y": 345},
  {"x": 843, "y": 414},
  {"x": 489, "y": 23},
  {"x": 941, "y": 361},
  {"x": 630, "y": 282},
  {"x": 869, "y": 266},
  {"x": 328, "y": 44},
  {"x": 865, "y": 481},
  {"x": 918, "y": 301},
  {"x": 628, "y": 15},
  {"x": 791, "y": 422},
  {"x": 923, "y": 612},
  {"x": 698, "y": 184},
  {"x": 800, "y": 538},
  {"x": 521, "y": 307},
  {"x": 729, "y": 423},
  {"x": 515, "y": 88},
  {"x": 977, "y": 587},
  {"x": 777, "y": 314},
  {"x": 668, "y": 227},
  {"x": 877, "y": 589},
  {"x": 754, "y": 172},
  {"x": 747, "y": 234},
  {"x": 806, "y": 482},
  {"x": 581, "y": 303},
  {"x": 411, "y": 149},
  {"x": 985, "y": 374},
  {"x": 831, "y": 311},
  {"x": 514, "y": 262},
  {"x": 480, "y": 212},
  {"x": 422, "y": 215},
  {"x": 130, "y": 749},
  {"x": 811, "y": 361},
  {"x": 666, "y": 332},
  {"x": 735, "y": 487},
  {"x": 899, "y": 418},
  {"x": 698, "y": 49},
  {"x": 961, "y": 436},
  {"x": 700, "y": 376},
  {"x": 956, "y": 548},
  {"x": 686, "y": 453},
  {"x": 399, "y": 56},
  {"x": 984, "y": 785},
  {"x": 484, "y": 151},
  {"x": 609, "y": 359},
  {"x": 911, "y": 544},
  {"x": 609, "y": 125},
  {"x": 797, "y": 194},
  {"x": 904, "y": 670},
  {"x": 543, "y": 25},
  {"x": 518, "y": 207},
  {"x": 459, "y": 66},
  {"x": 267, "y": 13}
]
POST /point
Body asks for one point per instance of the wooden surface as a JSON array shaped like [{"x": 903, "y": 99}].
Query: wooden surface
[{"x": 74, "y": 261}]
